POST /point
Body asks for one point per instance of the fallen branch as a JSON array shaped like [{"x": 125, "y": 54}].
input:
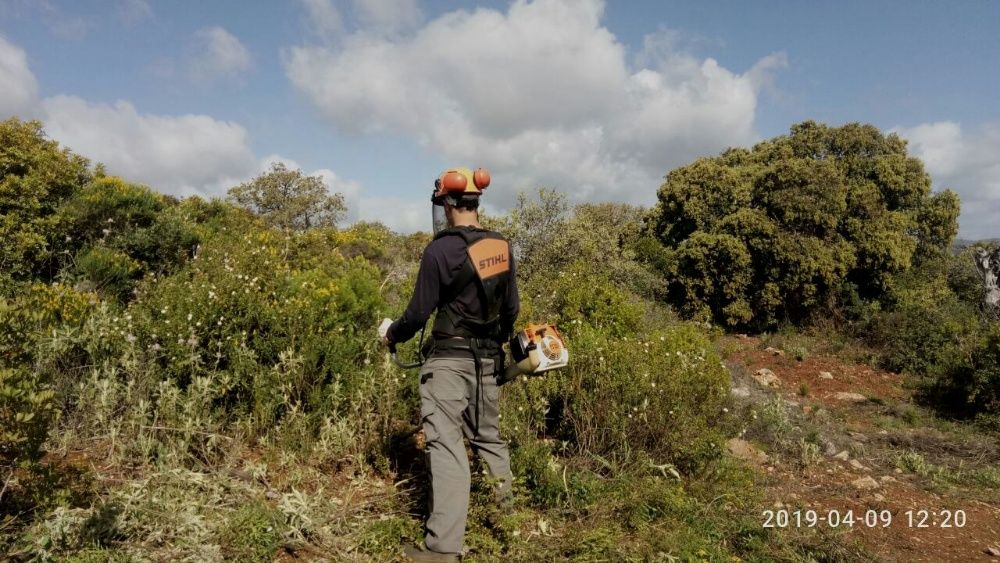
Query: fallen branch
[{"x": 212, "y": 434}]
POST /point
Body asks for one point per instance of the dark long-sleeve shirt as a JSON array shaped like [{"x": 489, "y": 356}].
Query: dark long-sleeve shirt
[{"x": 441, "y": 262}]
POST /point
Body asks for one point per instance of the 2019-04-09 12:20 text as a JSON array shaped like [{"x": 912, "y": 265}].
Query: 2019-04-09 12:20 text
[{"x": 870, "y": 518}]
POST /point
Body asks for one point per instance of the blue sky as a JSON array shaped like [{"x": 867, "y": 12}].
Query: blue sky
[{"x": 596, "y": 99}]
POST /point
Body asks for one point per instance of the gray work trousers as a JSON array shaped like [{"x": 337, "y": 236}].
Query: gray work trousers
[{"x": 448, "y": 406}]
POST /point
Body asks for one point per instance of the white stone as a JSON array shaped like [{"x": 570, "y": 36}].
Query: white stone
[{"x": 865, "y": 483}]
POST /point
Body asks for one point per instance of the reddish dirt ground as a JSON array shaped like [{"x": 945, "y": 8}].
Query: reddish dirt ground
[{"x": 826, "y": 485}]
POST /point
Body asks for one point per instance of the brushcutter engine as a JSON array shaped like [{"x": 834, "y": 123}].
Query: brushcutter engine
[{"x": 534, "y": 351}]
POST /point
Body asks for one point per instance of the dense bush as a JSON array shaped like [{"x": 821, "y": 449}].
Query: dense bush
[
  {"x": 633, "y": 389},
  {"x": 26, "y": 410},
  {"x": 658, "y": 394},
  {"x": 36, "y": 175},
  {"x": 223, "y": 367},
  {"x": 926, "y": 330},
  {"x": 983, "y": 387},
  {"x": 933, "y": 327},
  {"x": 763, "y": 236},
  {"x": 252, "y": 302},
  {"x": 37, "y": 312},
  {"x": 112, "y": 233},
  {"x": 549, "y": 240}
]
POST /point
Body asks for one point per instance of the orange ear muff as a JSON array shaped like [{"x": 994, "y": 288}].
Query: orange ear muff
[
  {"x": 454, "y": 182},
  {"x": 481, "y": 178}
]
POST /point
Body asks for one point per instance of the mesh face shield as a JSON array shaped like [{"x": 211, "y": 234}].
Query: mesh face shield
[{"x": 438, "y": 217}]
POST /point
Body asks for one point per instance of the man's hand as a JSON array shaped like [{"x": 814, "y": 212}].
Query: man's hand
[{"x": 383, "y": 331}]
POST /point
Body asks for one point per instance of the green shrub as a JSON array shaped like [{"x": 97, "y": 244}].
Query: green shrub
[
  {"x": 550, "y": 238},
  {"x": 985, "y": 391},
  {"x": 254, "y": 298},
  {"x": 119, "y": 231},
  {"x": 111, "y": 272},
  {"x": 252, "y": 533},
  {"x": 36, "y": 175},
  {"x": 576, "y": 295},
  {"x": 34, "y": 313},
  {"x": 661, "y": 393},
  {"x": 798, "y": 352},
  {"x": 928, "y": 331},
  {"x": 972, "y": 387},
  {"x": 290, "y": 200},
  {"x": 27, "y": 409}
]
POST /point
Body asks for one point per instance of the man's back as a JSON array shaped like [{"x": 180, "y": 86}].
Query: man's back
[{"x": 441, "y": 264}]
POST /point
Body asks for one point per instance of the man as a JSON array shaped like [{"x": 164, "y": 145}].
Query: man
[{"x": 467, "y": 275}]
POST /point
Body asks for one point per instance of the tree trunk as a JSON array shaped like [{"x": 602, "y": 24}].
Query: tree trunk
[{"x": 988, "y": 265}]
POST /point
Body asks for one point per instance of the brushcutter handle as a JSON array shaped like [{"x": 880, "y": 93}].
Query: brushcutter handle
[
  {"x": 395, "y": 360},
  {"x": 383, "y": 330}
]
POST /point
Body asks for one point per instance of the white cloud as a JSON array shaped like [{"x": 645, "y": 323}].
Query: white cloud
[
  {"x": 59, "y": 23},
  {"x": 388, "y": 15},
  {"x": 19, "y": 93},
  {"x": 267, "y": 161},
  {"x": 968, "y": 163},
  {"x": 939, "y": 145},
  {"x": 218, "y": 54},
  {"x": 399, "y": 214},
  {"x": 323, "y": 18},
  {"x": 542, "y": 94},
  {"x": 182, "y": 155}
]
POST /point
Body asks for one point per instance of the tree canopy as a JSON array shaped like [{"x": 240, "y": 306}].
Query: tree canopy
[
  {"x": 290, "y": 200},
  {"x": 797, "y": 224}
]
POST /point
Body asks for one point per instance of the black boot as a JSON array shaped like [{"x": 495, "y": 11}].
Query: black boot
[{"x": 418, "y": 554}]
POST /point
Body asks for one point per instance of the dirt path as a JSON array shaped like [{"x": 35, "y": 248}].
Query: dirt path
[{"x": 907, "y": 479}]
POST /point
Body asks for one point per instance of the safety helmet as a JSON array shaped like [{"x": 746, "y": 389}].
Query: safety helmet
[{"x": 460, "y": 182}]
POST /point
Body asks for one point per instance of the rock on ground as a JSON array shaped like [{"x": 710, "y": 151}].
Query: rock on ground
[
  {"x": 825, "y": 375},
  {"x": 830, "y": 449},
  {"x": 865, "y": 483},
  {"x": 741, "y": 449},
  {"x": 845, "y": 396},
  {"x": 774, "y": 351},
  {"x": 766, "y": 378}
]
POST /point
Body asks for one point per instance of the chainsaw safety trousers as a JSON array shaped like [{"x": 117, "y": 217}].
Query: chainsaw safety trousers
[{"x": 449, "y": 392}]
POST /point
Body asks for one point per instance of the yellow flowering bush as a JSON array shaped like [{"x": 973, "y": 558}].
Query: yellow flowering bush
[{"x": 34, "y": 312}]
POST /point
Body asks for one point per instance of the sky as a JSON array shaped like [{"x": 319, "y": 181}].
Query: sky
[{"x": 595, "y": 99}]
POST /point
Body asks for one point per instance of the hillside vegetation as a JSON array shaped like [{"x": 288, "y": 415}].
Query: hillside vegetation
[{"x": 183, "y": 379}]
